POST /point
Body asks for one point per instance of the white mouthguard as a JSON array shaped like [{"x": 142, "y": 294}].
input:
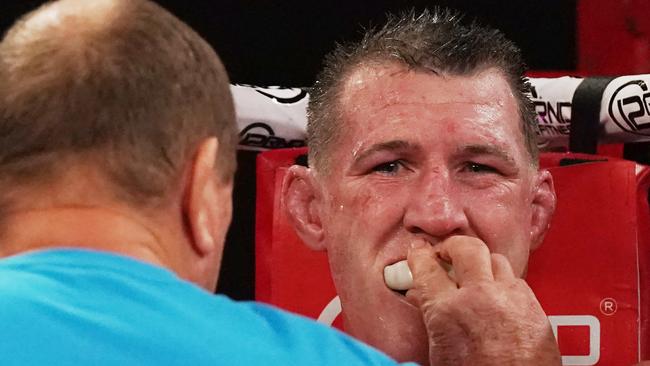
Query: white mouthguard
[{"x": 397, "y": 276}]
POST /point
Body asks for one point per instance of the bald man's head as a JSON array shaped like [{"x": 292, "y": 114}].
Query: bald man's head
[
  {"x": 120, "y": 86},
  {"x": 76, "y": 17}
]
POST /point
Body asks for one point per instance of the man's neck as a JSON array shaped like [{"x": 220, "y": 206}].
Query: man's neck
[{"x": 84, "y": 227}]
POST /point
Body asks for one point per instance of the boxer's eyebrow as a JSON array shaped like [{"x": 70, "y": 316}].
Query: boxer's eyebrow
[
  {"x": 488, "y": 149},
  {"x": 394, "y": 145}
]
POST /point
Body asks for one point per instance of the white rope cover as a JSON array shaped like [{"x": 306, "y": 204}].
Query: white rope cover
[{"x": 275, "y": 117}]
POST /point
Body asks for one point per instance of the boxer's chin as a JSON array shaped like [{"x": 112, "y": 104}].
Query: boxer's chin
[
  {"x": 397, "y": 330},
  {"x": 387, "y": 314}
]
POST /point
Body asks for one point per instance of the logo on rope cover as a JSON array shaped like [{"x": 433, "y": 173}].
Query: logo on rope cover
[
  {"x": 553, "y": 117},
  {"x": 261, "y": 135},
  {"x": 279, "y": 94},
  {"x": 629, "y": 108}
]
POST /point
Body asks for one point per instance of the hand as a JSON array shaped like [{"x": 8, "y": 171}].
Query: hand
[{"x": 486, "y": 315}]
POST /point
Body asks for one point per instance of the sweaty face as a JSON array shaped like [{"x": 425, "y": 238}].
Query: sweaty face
[{"x": 422, "y": 157}]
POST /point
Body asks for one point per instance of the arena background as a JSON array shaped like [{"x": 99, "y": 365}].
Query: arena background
[{"x": 283, "y": 43}]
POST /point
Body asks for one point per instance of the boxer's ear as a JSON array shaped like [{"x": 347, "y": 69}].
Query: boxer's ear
[
  {"x": 300, "y": 200},
  {"x": 543, "y": 207}
]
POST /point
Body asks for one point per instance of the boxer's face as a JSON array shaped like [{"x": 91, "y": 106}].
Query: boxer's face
[{"x": 422, "y": 156}]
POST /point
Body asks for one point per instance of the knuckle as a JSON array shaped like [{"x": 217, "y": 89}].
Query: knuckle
[{"x": 485, "y": 288}]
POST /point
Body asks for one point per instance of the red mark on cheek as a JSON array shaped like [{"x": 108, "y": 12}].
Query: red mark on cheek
[{"x": 362, "y": 201}]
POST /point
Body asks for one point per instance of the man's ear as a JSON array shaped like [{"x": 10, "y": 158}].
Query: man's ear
[
  {"x": 208, "y": 203},
  {"x": 543, "y": 205},
  {"x": 300, "y": 201}
]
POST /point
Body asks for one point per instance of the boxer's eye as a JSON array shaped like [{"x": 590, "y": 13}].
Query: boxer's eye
[
  {"x": 480, "y": 168},
  {"x": 389, "y": 168}
]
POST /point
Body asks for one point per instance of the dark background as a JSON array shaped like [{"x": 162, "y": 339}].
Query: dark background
[{"x": 283, "y": 43}]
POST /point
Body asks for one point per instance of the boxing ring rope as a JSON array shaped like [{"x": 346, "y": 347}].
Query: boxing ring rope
[{"x": 598, "y": 110}]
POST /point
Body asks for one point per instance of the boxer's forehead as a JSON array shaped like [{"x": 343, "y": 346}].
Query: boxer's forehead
[
  {"x": 388, "y": 103},
  {"x": 380, "y": 85}
]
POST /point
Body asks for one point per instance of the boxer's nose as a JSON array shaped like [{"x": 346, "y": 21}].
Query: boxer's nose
[{"x": 435, "y": 209}]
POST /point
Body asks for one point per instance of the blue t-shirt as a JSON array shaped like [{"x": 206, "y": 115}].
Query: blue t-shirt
[{"x": 82, "y": 307}]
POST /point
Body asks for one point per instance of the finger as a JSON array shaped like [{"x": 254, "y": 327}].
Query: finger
[
  {"x": 501, "y": 268},
  {"x": 470, "y": 258},
  {"x": 429, "y": 277}
]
